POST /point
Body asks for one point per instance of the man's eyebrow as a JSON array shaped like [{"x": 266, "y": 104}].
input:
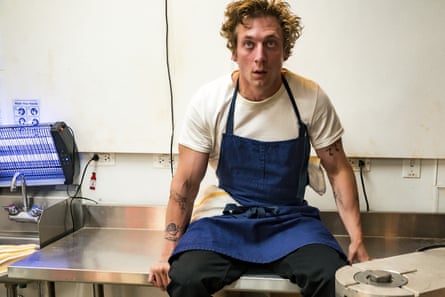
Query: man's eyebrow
[{"x": 273, "y": 35}]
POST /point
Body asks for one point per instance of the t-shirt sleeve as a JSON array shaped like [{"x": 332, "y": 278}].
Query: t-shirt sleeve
[
  {"x": 195, "y": 133},
  {"x": 325, "y": 128}
]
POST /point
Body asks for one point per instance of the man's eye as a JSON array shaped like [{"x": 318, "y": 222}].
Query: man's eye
[
  {"x": 248, "y": 44},
  {"x": 271, "y": 43}
]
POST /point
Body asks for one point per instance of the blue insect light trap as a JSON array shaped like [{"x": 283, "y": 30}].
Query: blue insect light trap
[{"x": 45, "y": 154}]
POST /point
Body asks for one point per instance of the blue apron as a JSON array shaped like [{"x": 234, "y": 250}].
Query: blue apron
[{"x": 268, "y": 179}]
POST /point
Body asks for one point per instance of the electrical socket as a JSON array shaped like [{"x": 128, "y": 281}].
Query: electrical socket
[
  {"x": 106, "y": 159},
  {"x": 163, "y": 161},
  {"x": 355, "y": 164},
  {"x": 411, "y": 168}
]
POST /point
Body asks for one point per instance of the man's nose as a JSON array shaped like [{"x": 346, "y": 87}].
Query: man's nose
[{"x": 260, "y": 55}]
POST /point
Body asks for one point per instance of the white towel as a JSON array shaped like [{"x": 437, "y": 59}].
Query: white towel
[
  {"x": 316, "y": 176},
  {"x": 12, "y": 253},
  {"x": 211, "y": 203}
]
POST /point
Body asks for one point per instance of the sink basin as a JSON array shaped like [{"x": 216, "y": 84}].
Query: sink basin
[{"x": 55, "y": 222}]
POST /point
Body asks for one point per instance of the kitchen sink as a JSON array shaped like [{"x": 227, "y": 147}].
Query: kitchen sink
[{"x": 54, "y": 222}]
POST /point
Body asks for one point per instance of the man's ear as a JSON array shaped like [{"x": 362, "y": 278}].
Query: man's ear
[
  {"x": 234, "y": 56},
  {"x": 285, "y": 57}
]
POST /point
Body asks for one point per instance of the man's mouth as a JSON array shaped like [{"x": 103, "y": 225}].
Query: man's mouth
[{"x": 259, "y": 72}]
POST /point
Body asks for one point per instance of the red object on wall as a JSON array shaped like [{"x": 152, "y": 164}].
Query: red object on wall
[{"x": 93, "y": 181}]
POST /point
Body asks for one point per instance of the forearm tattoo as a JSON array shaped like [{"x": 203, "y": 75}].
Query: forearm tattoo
[
  {"x": 337, "y": 196},
  {"x": 181, "y": 200},
  {"x": 172, "y": 232}
]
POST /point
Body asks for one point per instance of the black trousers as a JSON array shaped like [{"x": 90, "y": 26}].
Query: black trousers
[{"x": 202, "y": 273}]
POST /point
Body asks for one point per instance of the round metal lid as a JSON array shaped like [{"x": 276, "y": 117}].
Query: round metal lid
[{"x": 381, "y": 278}]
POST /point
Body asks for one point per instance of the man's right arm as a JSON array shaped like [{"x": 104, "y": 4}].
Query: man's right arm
[{"x": 185, "y": 184}]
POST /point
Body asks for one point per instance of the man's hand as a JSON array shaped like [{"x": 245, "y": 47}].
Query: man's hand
[
  {"x": 158, "y": 275},
  {"x": 357, "y": 251}
]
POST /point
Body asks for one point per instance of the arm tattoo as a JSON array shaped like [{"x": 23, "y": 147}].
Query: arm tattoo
[
  {"x": 337, "y": 198},
  {"x": 333, "y": 148},
  {"x": 181, "y": 200},
  {"x": 171, "y": 232}
]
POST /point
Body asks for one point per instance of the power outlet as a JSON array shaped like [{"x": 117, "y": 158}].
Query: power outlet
[
  {"x": 355, "y": 164},
  {"x": 164, "y": 161},
  {"x": 411, "y": 168},
  {"x": 106, "y": 159}
]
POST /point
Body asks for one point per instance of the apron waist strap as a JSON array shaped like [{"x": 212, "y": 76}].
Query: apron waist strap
[{"x": 250, "y": 211}]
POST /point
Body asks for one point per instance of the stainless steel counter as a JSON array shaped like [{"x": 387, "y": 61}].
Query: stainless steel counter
[
  {"x": 119, "y": 245},
  {"x": 94, "y": 255}
]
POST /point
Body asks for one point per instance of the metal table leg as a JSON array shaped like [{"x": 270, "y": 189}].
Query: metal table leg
[
  {"x": 47, "y": 289},
  {"x": 11, "y": 290},
  {"x": 98, "y": 290}
]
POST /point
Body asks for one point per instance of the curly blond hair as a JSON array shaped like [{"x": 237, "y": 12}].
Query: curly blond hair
[{"x": 237, "y": 11}]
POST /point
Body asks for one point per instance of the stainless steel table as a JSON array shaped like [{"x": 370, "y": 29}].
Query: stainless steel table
[
  {"x": 116, "y": 256},
  {"x": 119, "y": 244},
  {"x": 94, "y": 255},
  {"x": 123, "y": 256}
]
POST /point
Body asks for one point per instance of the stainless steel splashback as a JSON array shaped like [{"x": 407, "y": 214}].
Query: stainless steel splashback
[
  {"x": 392, "y": 224},
  {"x": 119, "y": 216},
  {"x": 384, "y": 224}
]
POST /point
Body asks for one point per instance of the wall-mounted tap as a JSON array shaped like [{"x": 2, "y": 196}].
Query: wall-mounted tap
[
  {"x": 26, "y": 214},
  {"x": 23, "y": 186}
]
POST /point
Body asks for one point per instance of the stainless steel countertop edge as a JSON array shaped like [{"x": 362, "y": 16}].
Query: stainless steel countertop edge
[
  {"x": 78, "y": 275},
  {"x": 117, "y": 245}
]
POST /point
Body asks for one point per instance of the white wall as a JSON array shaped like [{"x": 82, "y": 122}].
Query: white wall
[
  {"x": 78, "y": 58},
  {"x": 134, "y": 180},
  {"x": 101, "y": 67}
]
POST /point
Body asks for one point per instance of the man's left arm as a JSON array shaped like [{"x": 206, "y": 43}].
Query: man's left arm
[{"x": 344, "y": 187}]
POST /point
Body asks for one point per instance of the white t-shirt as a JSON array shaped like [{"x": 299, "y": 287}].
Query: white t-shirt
[{"x": 271, "y": 119}]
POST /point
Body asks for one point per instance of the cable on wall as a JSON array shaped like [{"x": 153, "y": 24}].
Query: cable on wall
[
  {"x": 361, "y": 164},
  {"x": 172, "y": 115},
  {"x": 76, "y": 196}
]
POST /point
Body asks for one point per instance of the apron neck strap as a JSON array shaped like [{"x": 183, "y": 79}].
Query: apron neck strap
[
  {"x": 230, "y": 118},
  {"x": 229, "y": 125}
]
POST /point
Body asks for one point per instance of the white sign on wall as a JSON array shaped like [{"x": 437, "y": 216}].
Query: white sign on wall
[{"x": 26, "y": 112}]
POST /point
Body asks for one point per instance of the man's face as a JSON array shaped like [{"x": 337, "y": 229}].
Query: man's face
[{"x": 259, "y": 54}]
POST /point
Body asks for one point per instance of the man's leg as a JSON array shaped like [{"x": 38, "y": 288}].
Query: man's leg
[
  {"x": 313, "y": 268},
  {"x": 202, "y": 273}
]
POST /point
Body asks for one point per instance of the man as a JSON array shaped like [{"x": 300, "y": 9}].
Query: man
[{"x": 255, "y": 127}]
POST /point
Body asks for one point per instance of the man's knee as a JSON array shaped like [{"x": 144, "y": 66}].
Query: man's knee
[
  {"x": 200, "y": 273},
  {"x": 187, "y": 272},
  {"x": 313, "y": 268}
]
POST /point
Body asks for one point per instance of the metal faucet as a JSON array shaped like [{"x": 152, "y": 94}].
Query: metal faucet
[
  {"x": 23, "y": 185},
  {"x": 26, "y": 214}
]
